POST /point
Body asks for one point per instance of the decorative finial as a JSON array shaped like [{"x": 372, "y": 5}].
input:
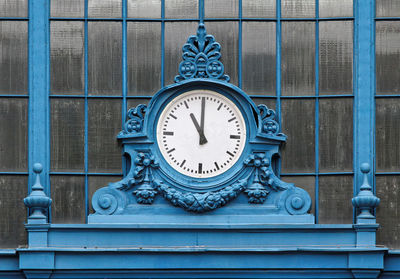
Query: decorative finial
[
  {"x": 366, "y": 201},
  {"x": 201, "y": 56},
  {"x": 37, "y": 201}
]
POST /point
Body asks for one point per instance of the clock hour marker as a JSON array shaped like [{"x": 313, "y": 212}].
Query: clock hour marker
[
  {"x": 166, "y": 133},
  {"x": 230, "y": 154},
  {"x": 219, "y": 107},
  {"x": 183, "y": 162},
  {"x": 233, "y": 118},
  {"x": 173, "y": 116},
  {"x": 186, "y": 105},
  {"x": 172, "y": 150},
  {"x": 216, "y": 165},
  {"x": 234, "y": 136},
  {"x": 200, "y": 168}
]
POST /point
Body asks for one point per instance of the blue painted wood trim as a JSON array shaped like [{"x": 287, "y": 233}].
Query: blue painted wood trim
[
  {"x": 364, "y": 114},
  {"x": 39, "y": 77}
]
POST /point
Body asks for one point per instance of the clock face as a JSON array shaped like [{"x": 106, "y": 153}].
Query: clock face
[{"x": 201, "y": 133}]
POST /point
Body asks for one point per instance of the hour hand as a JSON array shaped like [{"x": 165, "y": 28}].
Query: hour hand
[{"x": 203, "y": 139}]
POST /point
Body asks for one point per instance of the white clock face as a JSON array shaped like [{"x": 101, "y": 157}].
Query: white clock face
[{"x": 201, "y": 133}]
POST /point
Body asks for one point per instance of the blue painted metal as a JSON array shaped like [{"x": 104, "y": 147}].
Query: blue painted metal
[
  {"x": 86, "y": 88},
  {"x": 316, "y": 150}
]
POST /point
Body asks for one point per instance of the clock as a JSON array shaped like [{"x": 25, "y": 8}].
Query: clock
[{"x": 201, "y": 133}]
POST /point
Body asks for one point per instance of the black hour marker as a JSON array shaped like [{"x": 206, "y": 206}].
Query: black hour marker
[
  {"x": 229, "y": 119},
  {"x": 173, "y": 116},
  {"x": 168, "y": 133},
  {"x": 200, "y": 168},
  {"x": 219, "y": 106},
  {"x": 183, "y": 162},
  {"x": 186, "y": 105},
  {"x": 230, "y": 154},
  {"x": 172, "y": 150},
  {"x": 216, "y": 165},
  {"x": 233, "y": 136}
]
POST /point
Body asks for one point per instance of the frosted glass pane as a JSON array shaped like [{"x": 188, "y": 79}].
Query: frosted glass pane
[
  {"x": 298, "y": 123},
  {"x": 221, "y": 8},
  {"x": 176, "y": 35},
  {"x": 144, "y": 8},
  {"x": 67, "y": 57},
  {"x": 181, "y": 9},
  {"x": 105, "y": 58},
  {"x": 305, "y": 182},
  {"x": 135, "y": 102},
  {"x": 388, "y": 134},
  {"x": 13, "y": 57},
  {"x": 97, "y": 182},
  {"x": 269, "y": 102},
  {"x": 298, "y": 8},
  {"x": 259, "y": 58},
  {"x": 13, "y": 213},
  {"x": 226, "y": 34},
  {"x": 335, "y": 194},
  {"x": 387, "y": 57},
  {"x": 298, "y": 58},
  {"x": 335, "y": 8},
  {"x": 335, "y": 135},
  {"x": 70, "y": 8},
  {"x": 13, "y": 8},
  {"x": 388, "y": 211},
  {"x": 68, "y": 195},
  {"x": 105, "y": 8},
  {"x": 13, "y": 134},
  {"x": 387, "y": 8},
  {"x": 144, "y": 58},
  {"x": 67, "y": 134},
  {"x": 336, "y": 57},
  {"x": 104, "y": 125},
  {"x": 259, "y": 8}
]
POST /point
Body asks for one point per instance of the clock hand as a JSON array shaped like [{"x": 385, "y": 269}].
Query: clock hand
[
  {"x": 203, "y": 106},
  {"x": 203, "y": 139}
]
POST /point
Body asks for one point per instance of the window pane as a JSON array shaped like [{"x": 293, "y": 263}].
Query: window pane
[
  {"x": 67, "y": 57},
  {"x": 13, "y": 8},
  {"x": 387, "y": 8},
  {"x": 104, "y": 126},
  {"x": 259, "y": 58},
  {"x": 226, "y": 34},
  {"x": 14, "y": 134},
  {"x": 336, "y": 135},
  {"x": 335, "y": 194},
  {"x": 97, "y": 182},
  {"x": 68, "y": 195},
  {"x": 388, "y": 134},
  {"x": 105, "y": 8},
  {"x": 336, "y": 57},
  {"x": 387, "y": 57},
  {"x": 105, "y": 58},
  {"x": 221, "y": 8},
  {"x": 13, "y": 57},
  {"x": 176, "y": 35},
  {"x": 335, "y": 8},
  {"x": 259, "y": 8},
  {"x": 67, "y": 134},
  {"x": 298, "y": 8},
  {"x": 13, "y": 213},
  {"x": 70, "y": 8},
  {"x": 298, "y": 58},
  {"x": 269, "y": 102},
  {"x": 298, "y": 123},
  {"x": 388, "y": 211},
  {"x": 305, "y": 182},
  {"x": 144, "y": 8},
  {"x": 144, "y": 58},
  {"x": 181, "y": 8}
]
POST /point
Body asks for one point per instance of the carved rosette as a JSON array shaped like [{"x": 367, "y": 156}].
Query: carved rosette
[
  {"x": 201, "y": 56},
  {"x": 269, "y": 125},
  {"x": 134, "y": 124}
]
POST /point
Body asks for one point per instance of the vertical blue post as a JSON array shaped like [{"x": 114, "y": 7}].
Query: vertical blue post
[
  {"x": 39, "y": 76},
  {"x": 364, "y": 113},
  {"x": 316, "y": 150}
]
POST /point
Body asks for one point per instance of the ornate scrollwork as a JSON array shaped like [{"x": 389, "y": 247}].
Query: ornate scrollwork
[
  {"x": 201, "y": 202},
  {"x": 270, "y": 125},
  {"x": 134, "y": 124},
  {"x": 201, "y": 56}
]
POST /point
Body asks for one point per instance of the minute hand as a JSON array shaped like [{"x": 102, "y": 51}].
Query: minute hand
[{"x": 203, "y": 139}]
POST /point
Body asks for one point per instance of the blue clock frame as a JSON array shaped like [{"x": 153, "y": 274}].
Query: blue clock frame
[{"x": 150, "y": 177}]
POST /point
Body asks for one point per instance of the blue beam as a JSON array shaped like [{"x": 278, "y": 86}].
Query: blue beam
[
  {"x": 364, "y": 87},
  {"x": 39, "y": 122}
]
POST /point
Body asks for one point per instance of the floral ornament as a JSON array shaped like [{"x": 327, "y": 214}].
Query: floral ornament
[
  {"x": 201, "y": 56},
  {"x": 134, "y": 124},
  {"x": 269, "y": 124}
]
